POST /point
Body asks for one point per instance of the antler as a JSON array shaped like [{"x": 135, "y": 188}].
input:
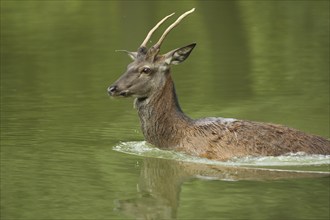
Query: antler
[
  {"x": 144, "y": 43},
  {"x": 158, "y": 44}
]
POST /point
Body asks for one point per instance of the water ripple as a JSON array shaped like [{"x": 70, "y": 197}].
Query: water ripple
[{"x": 142, "y": 148}]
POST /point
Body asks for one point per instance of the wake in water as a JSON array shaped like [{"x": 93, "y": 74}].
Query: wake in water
[{"x": 142, "y": 148}]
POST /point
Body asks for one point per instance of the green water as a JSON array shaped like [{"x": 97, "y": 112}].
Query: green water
[{"x": 257, "y": 60}]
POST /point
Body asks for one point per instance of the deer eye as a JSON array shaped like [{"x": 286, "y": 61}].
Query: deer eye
[{"x": 146, "y": 70}]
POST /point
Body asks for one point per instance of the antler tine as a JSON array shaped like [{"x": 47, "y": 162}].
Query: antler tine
[
  {"x": 158, "y": 44},
  {"x": 144, "y": 44}
]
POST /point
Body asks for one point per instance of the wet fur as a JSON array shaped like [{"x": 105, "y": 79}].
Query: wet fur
[{"x": 165, "y": 125}]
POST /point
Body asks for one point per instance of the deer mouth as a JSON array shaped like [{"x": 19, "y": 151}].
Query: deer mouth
[
  {"x": 125, "y": 93},
  {"x": 114, "y": 91}
]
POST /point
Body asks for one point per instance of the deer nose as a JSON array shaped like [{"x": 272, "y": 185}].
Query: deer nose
[{"x": 112, "y": 89}]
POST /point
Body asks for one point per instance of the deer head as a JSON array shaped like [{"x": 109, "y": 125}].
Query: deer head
[{"x": 147, "y": 73}]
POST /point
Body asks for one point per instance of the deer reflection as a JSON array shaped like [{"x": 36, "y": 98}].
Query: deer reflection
[
  {"x": 160, "y": 184},
  {"x": 159, "y": 188}
]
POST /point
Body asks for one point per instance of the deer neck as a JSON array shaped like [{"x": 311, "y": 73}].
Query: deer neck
[{"x": 162, "y": 120}]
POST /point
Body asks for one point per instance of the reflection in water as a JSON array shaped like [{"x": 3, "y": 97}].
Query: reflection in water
[
  {"x": 161, "y": 180},
  {"x": 257, "y": 60}
]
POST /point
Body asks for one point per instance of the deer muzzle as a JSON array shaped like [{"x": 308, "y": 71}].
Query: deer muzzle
[{"x": 114, "y": 91}]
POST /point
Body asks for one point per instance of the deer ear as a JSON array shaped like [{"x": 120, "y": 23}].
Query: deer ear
[
  {"x": 179, "y": 55},
  {"x": 132, "y": 55}
]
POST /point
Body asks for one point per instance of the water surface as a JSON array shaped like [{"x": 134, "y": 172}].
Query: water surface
[{"x": 265, "y": 61}]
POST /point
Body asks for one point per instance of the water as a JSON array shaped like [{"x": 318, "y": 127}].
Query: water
[
  {"x": 61, "y": 133},
  {"x": 142, "y": 148}
]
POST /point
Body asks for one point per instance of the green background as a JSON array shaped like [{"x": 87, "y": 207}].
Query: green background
[{"x": 256, "y": 60}]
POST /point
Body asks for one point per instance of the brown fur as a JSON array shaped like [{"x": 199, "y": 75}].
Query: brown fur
[{"x": 166, "y": 126}]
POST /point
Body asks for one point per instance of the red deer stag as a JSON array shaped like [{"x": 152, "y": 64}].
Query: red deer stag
[{"x": 148, "y": 79}]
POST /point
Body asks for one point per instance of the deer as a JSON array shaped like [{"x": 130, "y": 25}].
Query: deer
[{"x": 164, "y": 125}]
